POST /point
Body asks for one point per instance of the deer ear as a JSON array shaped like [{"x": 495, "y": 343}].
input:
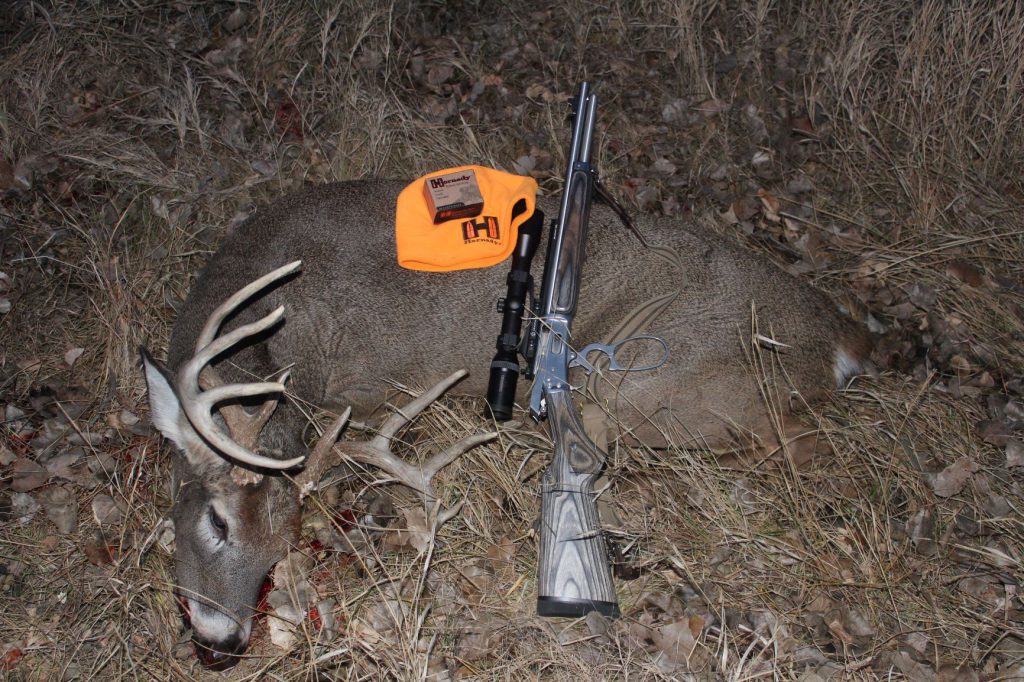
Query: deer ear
[
  {"x": 167, "y": 416},
  {"x": 164, "y": 408}
]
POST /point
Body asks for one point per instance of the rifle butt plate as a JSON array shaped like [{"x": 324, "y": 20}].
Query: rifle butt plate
[{"x": 574, "y": 608}]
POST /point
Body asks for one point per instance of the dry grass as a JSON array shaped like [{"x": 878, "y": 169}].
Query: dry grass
[{"x": 142, "y": 130}]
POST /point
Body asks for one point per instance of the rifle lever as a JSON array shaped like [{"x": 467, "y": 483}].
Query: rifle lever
[{"x": 581, "y": 359}]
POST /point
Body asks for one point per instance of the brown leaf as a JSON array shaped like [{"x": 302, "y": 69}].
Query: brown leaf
[
  {"x": 675, "y": 640},
  {"x": 921, "y": 529},
  {"x": 965, "y": 272},
  {"x": 439, "y": 74},
  {"x": 745, "y": 208},
  {"x": 597, "y": 624},
  {"x": 712, "y": 107},
  {"x": 101, "y": 551},
  {"x": 479, "y": 581},
  {"x": 696, "y": 624},
  {"x": 770, "y": 204},
  {"x": 870, "y": 271},
  {"x": 921, "y": 295},
  {"x": 61, "y": 507},
  {"x": 236, "y": 20},
  {"x": 953, "y": 478},
  {"x": 1014, "y": 453},
  {"x": 106, "y": 511},
  {"x": 915, "y": 672},
  {"x": 27, "y": 475},
  {"x": 994, "y": 432},
  {"x": 856, "y": 624},
  {"x": 291, "y": 599},
  {"x": 538, "y": 91},
  {"x": 500, "y": 558},
  {"x": 416, "y": 533},
  {"x": 524, "y": 164},
  {"x": 662, "y": 167},
  {"x": 479, "y": 641},
  {"x": 72, "y": 355},
  {"x": 840, "y": 633}
]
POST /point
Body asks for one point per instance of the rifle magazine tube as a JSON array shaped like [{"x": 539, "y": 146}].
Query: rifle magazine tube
[{"x": 573, "y": 576}]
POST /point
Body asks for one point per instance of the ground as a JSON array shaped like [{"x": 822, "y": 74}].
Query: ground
[{"x": 871, "y": 148}]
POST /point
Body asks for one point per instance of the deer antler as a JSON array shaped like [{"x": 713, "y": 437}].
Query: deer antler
[
  {"x": 377, "y": 452},
  {"x": 199, "y": 404}
]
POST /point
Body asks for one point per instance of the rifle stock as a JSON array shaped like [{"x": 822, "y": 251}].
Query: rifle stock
[{"x": 573, "y": 577}]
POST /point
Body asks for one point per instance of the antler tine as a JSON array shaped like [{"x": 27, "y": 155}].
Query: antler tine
[
  {"x": 323, "y": 456},
  {"x": 377, "y": 452},
  {"x": 450, "y": 454},
  {"x": 410, "y": 411},
  {"x": 417, "y": 478},
  {"x": 213, "y": 322},
  {"x": 248, "y": 432},
  {"x": 199, "y": 405}
]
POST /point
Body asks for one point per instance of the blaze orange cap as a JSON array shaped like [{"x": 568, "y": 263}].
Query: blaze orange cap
[{"x": 464, "y": 243}]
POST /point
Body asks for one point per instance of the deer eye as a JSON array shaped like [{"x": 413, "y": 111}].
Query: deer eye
[{"x": 219, "y": 524}]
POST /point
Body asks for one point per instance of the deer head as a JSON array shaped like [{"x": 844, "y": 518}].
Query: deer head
[
  {"x": 235, "y": 512},
  {"x": 232, "y": 522}
]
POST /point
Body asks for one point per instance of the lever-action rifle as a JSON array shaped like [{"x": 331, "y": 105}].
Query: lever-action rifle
[
  {"x": 574, "y": 577},
  {"x": 573, "y": 573}
]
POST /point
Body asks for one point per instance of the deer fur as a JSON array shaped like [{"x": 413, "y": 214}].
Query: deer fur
[{"x": 353, "y": 318}]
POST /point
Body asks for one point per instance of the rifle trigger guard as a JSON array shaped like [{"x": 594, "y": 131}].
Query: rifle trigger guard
[{"x": 581, "y": 359}]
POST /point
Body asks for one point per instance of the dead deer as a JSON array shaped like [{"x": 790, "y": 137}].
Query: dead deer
[{"x": 352, "y": 318}]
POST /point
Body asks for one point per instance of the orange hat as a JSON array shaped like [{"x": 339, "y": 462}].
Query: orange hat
[{"x": 464, "y": 243}]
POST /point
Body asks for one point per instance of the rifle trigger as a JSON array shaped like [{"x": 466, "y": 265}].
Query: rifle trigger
[{"x": 582, "y": 358}]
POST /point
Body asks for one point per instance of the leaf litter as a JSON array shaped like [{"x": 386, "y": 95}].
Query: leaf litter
[{"x": 895, "y": 555}]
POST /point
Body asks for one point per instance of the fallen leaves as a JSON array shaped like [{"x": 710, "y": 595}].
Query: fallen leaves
[
  {"x": 107, "y": 511},
  {"x": 994, "y": 432},
  {"x": 416, "y": 534},
  {"x": 676, "y": 641},
  {"x": 27, "y": 475},
  {"x": 1014, "y": 453},
  {"x": 966, "y": 272},
  {"x": 295, "y": 601},
  {"x": 770, "y": 205},
  {"x": 72, "y": 356},
  {"x": 953, "y": 478},
  {"x": 61, "y": 506}
]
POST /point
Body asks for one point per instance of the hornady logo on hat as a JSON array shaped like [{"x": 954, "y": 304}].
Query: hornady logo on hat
[
  {"x": 485, "y": 229},
  {"x": 436, "y": 183}
]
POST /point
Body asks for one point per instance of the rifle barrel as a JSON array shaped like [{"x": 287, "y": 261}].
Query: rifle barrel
[{"x": 577, "y": 171}]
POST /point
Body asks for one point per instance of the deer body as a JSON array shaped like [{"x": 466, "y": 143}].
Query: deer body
[{"x": 353, "y": 318}]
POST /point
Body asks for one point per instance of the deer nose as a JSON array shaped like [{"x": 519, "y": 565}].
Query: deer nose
[{"x": 219, "y": 655}]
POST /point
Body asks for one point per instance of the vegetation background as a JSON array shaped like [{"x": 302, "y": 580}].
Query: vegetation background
[{"x": 873, "y": 147}]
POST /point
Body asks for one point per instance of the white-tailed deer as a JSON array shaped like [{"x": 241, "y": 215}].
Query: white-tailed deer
[{"x": 351, "y": 317}]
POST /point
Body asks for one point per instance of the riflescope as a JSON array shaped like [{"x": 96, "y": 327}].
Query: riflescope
[{"x": 501, "y": 389}]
